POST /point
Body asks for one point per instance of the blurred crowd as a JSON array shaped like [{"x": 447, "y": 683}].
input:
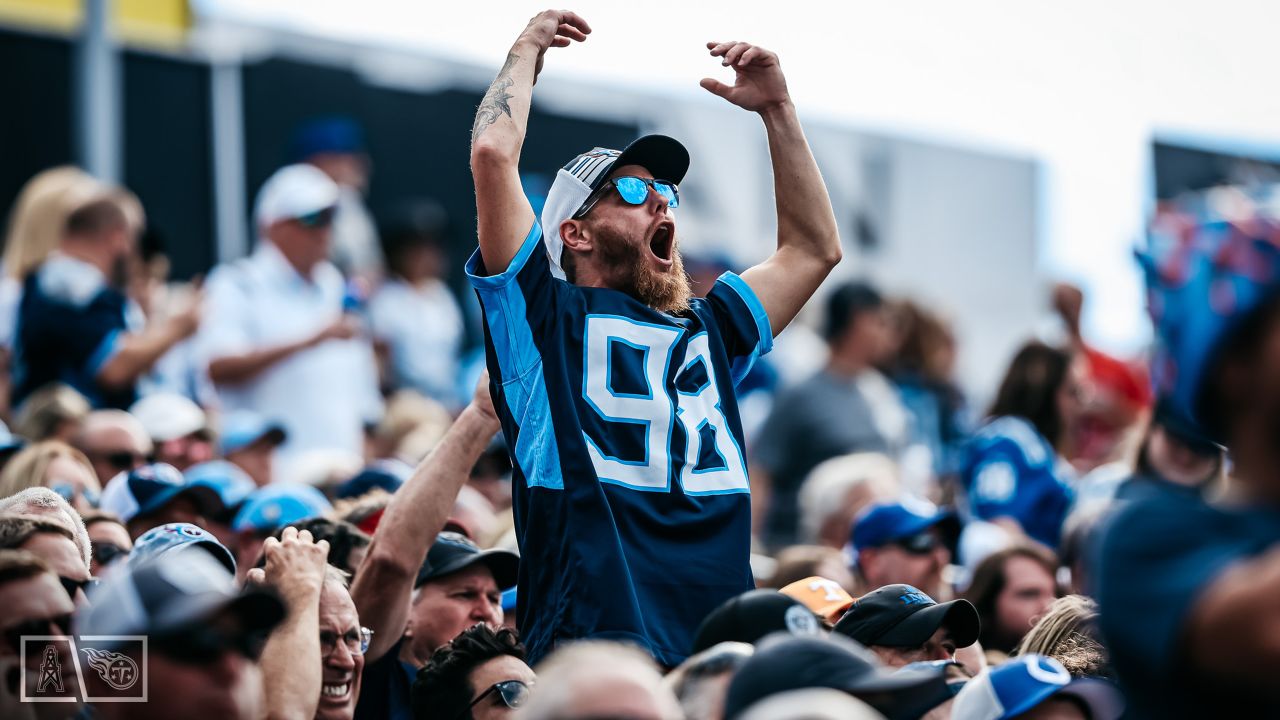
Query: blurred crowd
[{"x": 289, "y": 477}]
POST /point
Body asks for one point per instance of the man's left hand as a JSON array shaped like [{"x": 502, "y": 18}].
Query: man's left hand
[{"x": 758, "y": 86}]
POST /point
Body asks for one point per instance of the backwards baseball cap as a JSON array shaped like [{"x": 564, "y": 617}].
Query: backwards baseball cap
[
  {"x": 242, "y": 428},
  {"x": 452, "y": 552},
  {"x": 885, "y": 523},
  {"x": 753, "y": 615},
  {"x": 784, "y": 662},
  {"x": 292, "y": 192},
  {"x": 179, "y": 537},
  {"x": 168, "y": 416},
  {"x": 1211, "y": 260},
  {"x": 1022, "y": 683},
  {"x": 280, "y": 504},
  {"x": 172, "y": 593},
  {"x": 902, "y": 616},
  {"x": 148, "y": 488},
  {"x": 662, "y": 156},
  {"x": 823, "y": 596}
]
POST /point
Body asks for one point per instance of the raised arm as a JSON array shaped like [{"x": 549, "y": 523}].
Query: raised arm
[
  {"x": 416, "y": 513},
  {"x": 808, "y": 240},
  {"x": 503, "y": 214}
]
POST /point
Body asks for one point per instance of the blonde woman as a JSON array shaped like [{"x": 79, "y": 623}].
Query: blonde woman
[{"x": 57, "y": 466}]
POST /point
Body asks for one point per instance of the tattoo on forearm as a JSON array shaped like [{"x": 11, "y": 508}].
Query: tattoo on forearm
[{"x": 496, "y": 99}]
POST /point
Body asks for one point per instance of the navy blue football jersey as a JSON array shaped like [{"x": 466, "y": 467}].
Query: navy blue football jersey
[{"x": 632, "y": 505}]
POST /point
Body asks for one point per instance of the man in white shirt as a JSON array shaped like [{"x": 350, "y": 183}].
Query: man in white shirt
[{"x": 277, "y": 339}]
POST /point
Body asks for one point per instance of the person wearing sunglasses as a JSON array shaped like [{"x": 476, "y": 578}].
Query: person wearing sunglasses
[
  {"x": 53, "y": 543},
  {"x": 280, "y": 324},
  {"x": 109, "y": 537},
  {"x": 480, "y": 675},
  {"x": 57, "y": 466},
  {"x": 115, "y": 442},
  {"x": 620, "y": 400},
  {"x": 204, "y": 635},
  {"x": 34, "y": 604},
  {"x": 904, "y": 542}
]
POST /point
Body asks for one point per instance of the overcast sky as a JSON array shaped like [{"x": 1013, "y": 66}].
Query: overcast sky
[{"x": 1079, "y": 86}]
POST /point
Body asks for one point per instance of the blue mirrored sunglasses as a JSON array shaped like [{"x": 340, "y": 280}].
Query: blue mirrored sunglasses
[{"x": 634, "y": 190}]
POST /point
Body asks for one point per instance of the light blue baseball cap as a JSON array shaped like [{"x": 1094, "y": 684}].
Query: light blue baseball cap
[
  {"x": 179, "y": 537},
  {"x": 280, "y": 504},
  {"x": 242, "y": 428}
]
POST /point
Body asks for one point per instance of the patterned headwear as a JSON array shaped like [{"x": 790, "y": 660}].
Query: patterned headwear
[{"x": 1212, "y": 258}]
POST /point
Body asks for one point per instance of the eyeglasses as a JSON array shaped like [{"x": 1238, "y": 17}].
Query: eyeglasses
[
  {"x": 123, "y": 459},
  {"x": 634, "y": 190},
  {"x": 106, "y": 553},
  {"x": 205, "y": 644},
  {"x": 357, "y": 641},
  {"x": 317, "y": 219},
  {"x": 513, "y": 693},
  {"x": 57, "y": 625},
  {"x": 73, "y": 586},
  {"x": 919, "y": 544},
  {"x": 69, "y": 492}
]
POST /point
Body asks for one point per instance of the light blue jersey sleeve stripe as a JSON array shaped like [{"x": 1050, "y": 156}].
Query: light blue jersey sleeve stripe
[
  {"x": 518, "y": 358},
  {"x": 753, "y": 304},
  {"x": 106, "y": 350}
]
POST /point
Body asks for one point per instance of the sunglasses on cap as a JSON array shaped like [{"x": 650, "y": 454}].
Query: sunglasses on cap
[
  {"x": 511, "y": 693},
  {"x": 68, "y": 492},
  {"x": 634, "y": 190},
  {"x": 919, "y": 544},
  {"x": 317, "y": 219},
  {"x": 53, "y": 626}
]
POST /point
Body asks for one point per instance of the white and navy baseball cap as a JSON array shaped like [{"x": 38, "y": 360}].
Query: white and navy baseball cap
[
  {"x": 294, "y": 191},
  {"x": 1022, "y": 683},
  {"x": 662, "y": 156},
  {"x": 148, "y": 488}
]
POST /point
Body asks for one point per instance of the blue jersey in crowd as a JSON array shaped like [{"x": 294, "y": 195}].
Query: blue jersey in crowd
[
  {"x": 1012, "y": 471},
  {"x": 631, "y": 498},
  {"x": 1157, "y": 555},
  {"x": 70, "y": 323}
]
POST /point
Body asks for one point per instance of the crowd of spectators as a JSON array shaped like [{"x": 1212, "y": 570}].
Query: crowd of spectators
[{"x": 273, "y": 476}]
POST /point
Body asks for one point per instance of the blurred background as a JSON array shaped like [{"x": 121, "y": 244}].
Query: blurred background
[{"x": 976, "y": 152}]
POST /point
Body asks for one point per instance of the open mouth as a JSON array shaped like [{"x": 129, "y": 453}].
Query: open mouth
[
  {"x": 336, "y": 691},
  {"x": 662, "y": 242}
]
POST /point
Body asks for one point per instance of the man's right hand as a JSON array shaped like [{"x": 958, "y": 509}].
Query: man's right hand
[
  {"x": 295, "y": 564},
  {"x": 552, "y": 28}
]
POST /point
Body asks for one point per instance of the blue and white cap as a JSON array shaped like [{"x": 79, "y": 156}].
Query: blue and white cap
[
  {"x": 278, "y": 505},
  {"x": 232, "y": 484},
  {"x": 663, "y": 156},
  {"x": 173, "y": 591},
  {"x": 1022, "y": 683},
  {"x": 179, "y": 537},
  {"x": 146, "y": 489},
  {"x": 242, "y": 428}
]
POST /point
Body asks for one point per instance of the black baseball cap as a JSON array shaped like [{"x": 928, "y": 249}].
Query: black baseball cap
[
  {"x": 902, "y": 616},
  {"x": 784, "y": 662},
  {"x": 452, "y": 552},
  {"x": 751, "y": 616}
]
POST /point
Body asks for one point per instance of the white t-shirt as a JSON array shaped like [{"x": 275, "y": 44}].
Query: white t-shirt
[{"x": 423, "y": 327}]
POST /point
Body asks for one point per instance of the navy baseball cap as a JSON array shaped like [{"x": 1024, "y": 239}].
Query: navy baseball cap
[
  {"x": 885, "y": 523},
  {"x": 751, "y": 616},
  {"x": 242, "y": 428},
  {"x": 662, "y": 156},
  {"x": 148, "y": 488},
  {"x": 784, "y": 662},
  {"x": 902, "y": 616},
  {"x": 331, "y": 134},
  {"x": 179, "y": 537},
  {"x": 173, "y": 592},
  {"x": 452, "y": 552},
  {"x": 280, "y": 504},
  {"x": 1022, "y": 683},
  {"x": 379, "y": 475}
]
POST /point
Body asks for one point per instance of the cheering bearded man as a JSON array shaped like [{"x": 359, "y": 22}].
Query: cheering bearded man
[{"x": 615, "y": 387}]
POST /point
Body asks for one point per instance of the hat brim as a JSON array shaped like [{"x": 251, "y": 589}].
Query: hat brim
[
  {"x": 504, "y": 564},
  {"x": 204, "y": 496},
  {"x": 958, "y": 616},
  {"x": 664, "y": 157},
  {"x": 907, "y": 693},
  {"x": 258, "y": 610},
  {"x": 1104, "y": 700}
]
